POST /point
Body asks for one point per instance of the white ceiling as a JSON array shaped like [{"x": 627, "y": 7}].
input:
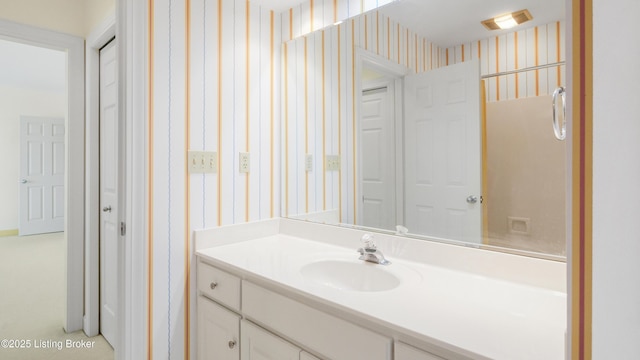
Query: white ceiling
[{"x": 32, "y": 67}]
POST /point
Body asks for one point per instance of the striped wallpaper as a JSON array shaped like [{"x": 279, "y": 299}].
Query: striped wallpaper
[
  {"x": 215, "y": 79},
  {"x": 535, "y": 46},
  {"x": 214, "y": 75},
  {"x": 312, "y": 15},
  {"x": 319, "y": 118},
  {"x": 318, "y": 114}
]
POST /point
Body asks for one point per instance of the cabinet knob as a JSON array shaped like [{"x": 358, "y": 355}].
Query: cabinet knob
[
  {"x": 213, "y": 285},
  {"x": 232, "y": 344}
]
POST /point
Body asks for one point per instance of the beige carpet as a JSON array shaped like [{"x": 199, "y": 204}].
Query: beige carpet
[{"x": 32, "y": 288}]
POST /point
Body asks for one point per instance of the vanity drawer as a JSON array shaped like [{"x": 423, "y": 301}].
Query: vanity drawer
[
  {"x": 219, "y": 285},
  {"x": 327, "y": 335}
]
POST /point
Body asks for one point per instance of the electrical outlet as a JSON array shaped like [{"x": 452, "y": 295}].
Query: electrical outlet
[
  {"x": 308, "y": 163},
  {"x": 333, "y": 163},
  {"x": 201, "y": 162},
  {"x": 244, "y": 162}
]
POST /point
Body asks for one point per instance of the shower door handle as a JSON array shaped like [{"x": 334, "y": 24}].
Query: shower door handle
[{"x": 559, "y": 131}]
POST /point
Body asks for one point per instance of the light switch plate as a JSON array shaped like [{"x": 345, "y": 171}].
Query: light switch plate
[
  {"x": 333, "y": 163},
  {"x": 308, "y": 163},
  {"x": 203, "y": 162},
  {"x": 244, "y": 162}
]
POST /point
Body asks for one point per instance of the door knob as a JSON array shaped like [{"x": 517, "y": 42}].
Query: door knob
[
  {"x": 472, "y": 199},
  {"x": 107, "y": 208},
  {"x": 23, "y": 181}
]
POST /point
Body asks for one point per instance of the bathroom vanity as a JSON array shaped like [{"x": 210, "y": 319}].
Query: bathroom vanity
[{"x": 290, "y": 289}]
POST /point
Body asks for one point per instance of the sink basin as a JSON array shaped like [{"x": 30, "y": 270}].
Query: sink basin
[{"x": 350, "y": 275}]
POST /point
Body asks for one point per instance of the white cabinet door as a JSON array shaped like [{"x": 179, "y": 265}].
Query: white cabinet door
[
  {"x": 218, "y": 332},
  {"x": 259, "y": 344},
  {"x": 406, "y": 352}
]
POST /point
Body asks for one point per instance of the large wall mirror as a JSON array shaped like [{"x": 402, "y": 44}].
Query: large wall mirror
[{"x": 413, "y": 118}]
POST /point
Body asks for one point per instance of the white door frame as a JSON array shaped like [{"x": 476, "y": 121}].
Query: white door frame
[
  {"x": 74, "y": 155},
  {"x": 96, "y": 40},
  {"x": 395, "y": 71},
  {"x": 132, "y": 34}
]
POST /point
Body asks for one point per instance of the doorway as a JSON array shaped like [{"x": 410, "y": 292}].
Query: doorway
[
  {"x": 377, "y": 146},
  {"x": 72, "y": 110},
  {"x": 380, "y": 190}
]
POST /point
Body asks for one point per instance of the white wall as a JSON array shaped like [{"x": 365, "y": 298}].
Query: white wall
[
  {"x": 95, "y": 11},
  {"x": 616, "y": 180},
  {"x": 15, "y": 102}
]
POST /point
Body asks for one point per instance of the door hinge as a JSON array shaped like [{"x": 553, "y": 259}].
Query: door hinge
[{"x": 123, "y": 228}]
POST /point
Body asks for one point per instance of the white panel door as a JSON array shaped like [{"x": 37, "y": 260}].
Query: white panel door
[
  {"x": 377, "y": 146},
  {"x": 259, "y": 344},
  {"x": 108, "y": 194},
  {"x": 42, "y": 164},
  {"x": 443, "y": 152}
]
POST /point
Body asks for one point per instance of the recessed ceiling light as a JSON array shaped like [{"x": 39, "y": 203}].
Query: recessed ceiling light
[{"x": 507, "y": 21}]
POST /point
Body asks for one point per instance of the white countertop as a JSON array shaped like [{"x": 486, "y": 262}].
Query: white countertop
[{"x": 473, "y": 315}]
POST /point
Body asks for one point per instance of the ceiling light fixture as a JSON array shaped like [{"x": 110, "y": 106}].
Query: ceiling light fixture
[{"x": 507, "y": 21}]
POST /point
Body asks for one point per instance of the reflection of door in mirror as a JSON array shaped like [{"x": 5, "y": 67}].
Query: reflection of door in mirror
[
  {"x": 443, "y": 152},
  {"x": 377, "y": 177}
]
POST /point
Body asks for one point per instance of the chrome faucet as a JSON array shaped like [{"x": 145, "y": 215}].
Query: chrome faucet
[{"x": 370, "y": 252}]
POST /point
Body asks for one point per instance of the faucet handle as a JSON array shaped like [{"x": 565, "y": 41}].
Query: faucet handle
[{"x": 369, "y": 244}]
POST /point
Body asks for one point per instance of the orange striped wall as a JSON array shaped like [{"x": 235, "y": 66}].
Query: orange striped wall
[
  {"x": 534, "y": 46},
  {"x": 319, "y": 91},
  {"x": 313, "y": 15},
  {"x": 319, "y": 116},
  {"x": 214, "y": 71}
]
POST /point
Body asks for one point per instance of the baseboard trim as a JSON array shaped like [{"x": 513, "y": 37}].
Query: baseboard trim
[{"x": 11, "y": 232}]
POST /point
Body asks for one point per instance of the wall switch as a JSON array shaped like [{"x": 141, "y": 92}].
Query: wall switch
[
  {"x": 333, "y": 163},
  {"x": 308, "y": 163},
  {"x": 202, "y": 162},
  {"x": 244, "y": 162},
  {"x": 211, "y": 162}
]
